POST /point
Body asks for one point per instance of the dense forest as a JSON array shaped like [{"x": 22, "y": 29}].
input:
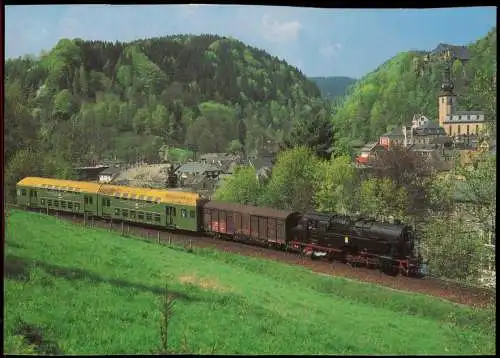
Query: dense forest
[
  {"x": 84, "y": 101},
  {"x": 406, "y": 84},
  {"x": 333, "y": 87}
]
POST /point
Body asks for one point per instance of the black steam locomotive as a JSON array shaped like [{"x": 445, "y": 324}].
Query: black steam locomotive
[{"x": 358, "y": 241}]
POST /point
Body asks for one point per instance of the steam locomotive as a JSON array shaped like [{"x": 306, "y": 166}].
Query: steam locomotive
[{"x": 391, "y": 247}]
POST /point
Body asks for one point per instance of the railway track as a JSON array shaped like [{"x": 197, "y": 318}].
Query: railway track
[{"x": 451, "y": 291}]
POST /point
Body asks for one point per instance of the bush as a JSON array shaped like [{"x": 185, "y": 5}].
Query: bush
[{"x": 451, "y": 250}]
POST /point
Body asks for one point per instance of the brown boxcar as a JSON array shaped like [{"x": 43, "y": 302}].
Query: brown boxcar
[{"x": 250, "y": 222}]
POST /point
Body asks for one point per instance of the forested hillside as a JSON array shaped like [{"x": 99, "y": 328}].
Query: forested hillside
[
  {"x": 333, "y": 87},
  {"x": 84, "y": 101},
  {"x": 406, "y": 85}
]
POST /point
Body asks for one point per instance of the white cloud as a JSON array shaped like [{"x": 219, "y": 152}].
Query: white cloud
[
  {"x": 330, "y": 50},
  {"x": 275, "y": 31}
]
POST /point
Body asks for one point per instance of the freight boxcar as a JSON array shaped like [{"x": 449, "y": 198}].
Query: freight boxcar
[
  {"x": 251, "y": 223},
  {"x": 170, "y": 209},
  {"x": 60, "y": 195}
]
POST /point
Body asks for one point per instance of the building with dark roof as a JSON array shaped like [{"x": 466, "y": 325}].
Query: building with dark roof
[
  {"x": 457, "y": 123},
  {"x": 430, "y": 133},
  {"x": 394, "y": 137},
  {"x": 108, "y": 174},
  {"x": 195, "y": 168},
  {"x": 451, "y": 52}
]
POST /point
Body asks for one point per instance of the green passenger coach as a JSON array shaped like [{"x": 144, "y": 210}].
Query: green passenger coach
[
  {"x": 61, "y": 195},
  {"x": 169, "y": 209}
]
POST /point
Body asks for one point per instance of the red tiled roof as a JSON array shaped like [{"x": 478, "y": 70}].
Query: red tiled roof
[{"x": 361, "y": 159}]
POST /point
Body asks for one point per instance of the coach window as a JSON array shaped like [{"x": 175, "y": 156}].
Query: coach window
[
  {"x": 157, "y": 218},
  {"x": 77, "y": 206},
  {"x": 42, "y": 201},
  {"x": 70, "y": 205},
  {"x": 63, "y": 204},
  {"x": 174, "y": 212},
  {"x": 184, "y": 213},
  {"x": 191, "y": 214},
  {"x": 104, "y": 203},
  {"x": 49, "y": 202},
  {"x": 117, "y": 212},
  {"x": 124, "y": 213},
  {"x": 23, "y": 192},
  {"x": 132, "y": 214},
  {"x": 149, "y": 217},
  {"x": 140, "y": 215}
]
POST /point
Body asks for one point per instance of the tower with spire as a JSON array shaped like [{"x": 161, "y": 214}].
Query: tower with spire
[{"x": 446, "y": 97}]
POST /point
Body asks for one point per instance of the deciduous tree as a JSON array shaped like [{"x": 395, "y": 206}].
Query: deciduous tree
[
  {"x": 335, "y": 183},
  {"x": 382, "y": 199},
  {"x": 292, "y": 182},
  {"x": 242, "y": 187},
  {"x": 452, "y": 250}
]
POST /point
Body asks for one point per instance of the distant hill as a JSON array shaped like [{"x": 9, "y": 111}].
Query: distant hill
[
  {"x": 409, "y": 83},
  {"x": 88, "y": 100},
  {"x": 332, "y": 87}
]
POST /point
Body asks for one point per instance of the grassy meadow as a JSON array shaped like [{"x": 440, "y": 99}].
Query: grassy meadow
[{"x": 93, "y": 292}]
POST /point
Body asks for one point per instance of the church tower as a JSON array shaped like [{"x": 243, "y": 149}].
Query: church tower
[{"x": 447, "y": 98}]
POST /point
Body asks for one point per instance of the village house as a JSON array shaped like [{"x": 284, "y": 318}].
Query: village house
[
  {"x": 201, "y": 184},
  {"x": 90, "y": 173},
  {"x": 430, "y": 133},
  {"x": 394, "y": 137},
  {"x": 368, "y": 152},
  {"x": 192, "y": 169},
  {"x": 108, "y": 174},
  {"x": 217, "y": 158}
]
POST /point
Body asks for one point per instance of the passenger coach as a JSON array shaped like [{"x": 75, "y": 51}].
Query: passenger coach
[
  {"x": 169, "y": 209},
  {"x": 61, "y": 195}
]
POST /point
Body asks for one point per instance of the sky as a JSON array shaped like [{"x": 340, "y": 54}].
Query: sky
[{"x": 320, "y": 42}]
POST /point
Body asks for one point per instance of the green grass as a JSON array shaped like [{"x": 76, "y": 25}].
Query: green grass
[{"x": 94, "y": 292}]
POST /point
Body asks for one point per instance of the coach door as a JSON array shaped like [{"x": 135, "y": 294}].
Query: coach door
[
  {"x": 33, "y": 198},
  {"x": 170, "y": 215}
]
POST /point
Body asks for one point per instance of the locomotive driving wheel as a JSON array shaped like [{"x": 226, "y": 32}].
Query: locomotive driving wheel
[{"x": 388, "y": 267}]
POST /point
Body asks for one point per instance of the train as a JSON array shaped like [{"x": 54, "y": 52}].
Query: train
[{"x": 355, "y": 240}]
